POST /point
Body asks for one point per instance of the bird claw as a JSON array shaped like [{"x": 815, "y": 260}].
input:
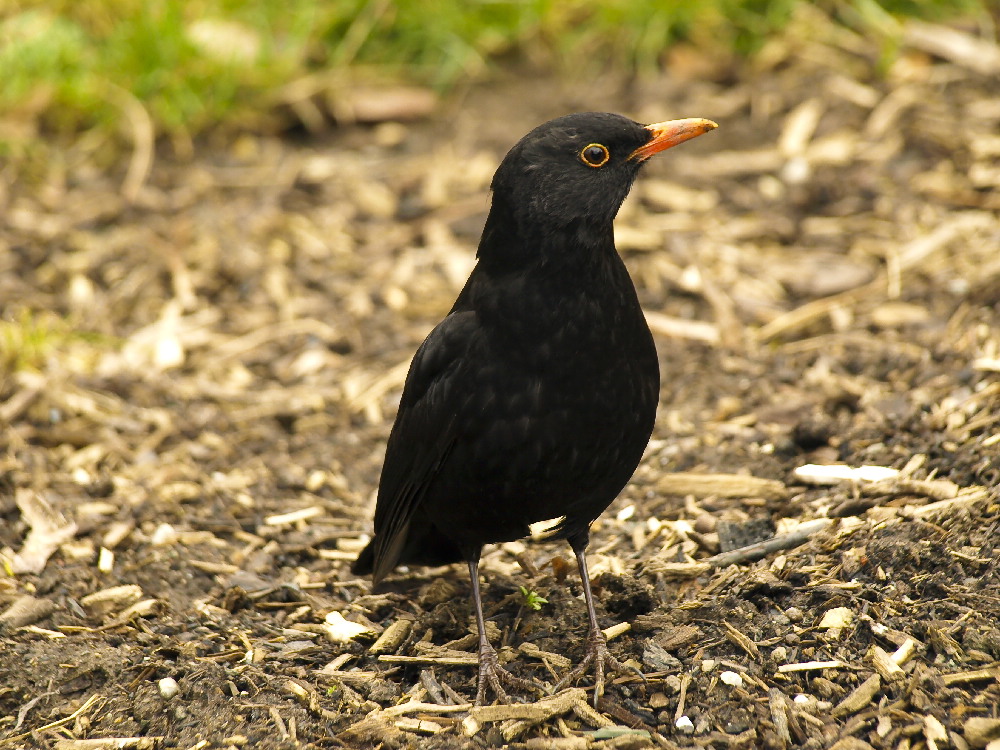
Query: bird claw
[
  {"x": 598, "y": 655},
  {"x": 492, "y": 675}
]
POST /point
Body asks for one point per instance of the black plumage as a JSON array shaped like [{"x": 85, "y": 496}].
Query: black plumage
[{"x": 535, "y": 397}]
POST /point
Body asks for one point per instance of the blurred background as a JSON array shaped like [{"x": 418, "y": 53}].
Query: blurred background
[{"x": 114, "y": 68}]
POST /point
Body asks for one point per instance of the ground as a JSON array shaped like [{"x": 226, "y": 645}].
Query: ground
[{"x": 201, "y": 371}]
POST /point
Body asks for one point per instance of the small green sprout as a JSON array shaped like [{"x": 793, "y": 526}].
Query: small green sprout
[{"x": 532, "y": 599}]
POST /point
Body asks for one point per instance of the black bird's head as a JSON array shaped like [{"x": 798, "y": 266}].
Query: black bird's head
[{"x": 576, "y": 170}]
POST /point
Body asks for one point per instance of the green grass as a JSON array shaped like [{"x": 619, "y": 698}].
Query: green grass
[
  {"x": 193, "y": 65},
  {"x": 28, "y": 340}
]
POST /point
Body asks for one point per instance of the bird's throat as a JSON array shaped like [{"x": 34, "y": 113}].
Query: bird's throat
[{"x": 579, "y": 247}]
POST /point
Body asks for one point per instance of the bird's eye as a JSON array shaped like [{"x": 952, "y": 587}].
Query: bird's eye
[{"x": 595, "y": 155}]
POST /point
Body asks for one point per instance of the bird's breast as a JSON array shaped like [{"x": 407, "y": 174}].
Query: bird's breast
[
  {"x": 558, "y": 399},
  {"x": 570, "y": 389}
]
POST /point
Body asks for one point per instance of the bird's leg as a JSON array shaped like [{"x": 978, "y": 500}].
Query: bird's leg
[
  {"x": 596, "y": 651},
  {"x": 490, "y": 672}
]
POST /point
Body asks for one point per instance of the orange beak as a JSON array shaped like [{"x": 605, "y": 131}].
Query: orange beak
[{"x": 670, "y": 133}]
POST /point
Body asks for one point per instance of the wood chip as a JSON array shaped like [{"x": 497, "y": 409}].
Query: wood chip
[
  {"x": 110, "y": 743},
  {"x": 107, "y": 600},
  {"x": 540, "y": 710},
  {"x": 742, "y": 640},
  {"x": 419, "y": 726},
  {"x": 215, "y": 568},
  {"x": 831, "y": 474},
  {"x": 557, "y": 743},
  {"x": 35, "y": 630},
  {"x": 800, "y": 126},
  {"x": 392, "y": 637},
  {"x": 836, "y": 618},
  {"x": 430, "y": 708},
  {"x": 934, "y": 732},
  {"x": 142, "y": 608},
  {"x": 679, "y": 328},
  {"x": 556, "y": 660},
  {"x": 979, "y": 731},
  {"x": 974, "y": 675},
  {"x": 966, "y": 497},
  {"x": 668, "y": 569},
  {"x": 381, "y": 103},
  {"x": 884, "y": 664},
  {"x": 48, "y": 529},
  {"x": 720, "y": 485},
  {"x": 589, "y": 714},
  {"x": 860, "y": 697},
  {"x": 675, "y": 637},
  {"x": 778, "y": 704},
  {"x": 105, "y": 560},
  {"x": 356, "y": 678},
  {"x": 26, "y": 610},
  {"x": 616, "y": 630},
  {"x": 802, "y": 533},
  {"x": 452, "y": 661},
  {"x": 936, "y": 489},
  {"x": 303, "y": 514},
  {"x": 850, "y": 743},
  {"x": 905, "y": 651},
  {"x": 340, "y": 630},
  {"x": 975, "y": 53},
  {"x": 808, "y": 665}
]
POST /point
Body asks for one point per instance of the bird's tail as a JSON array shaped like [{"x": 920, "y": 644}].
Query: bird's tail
[
  {"x": 425, "y": 545},
  {"x": 365, "y": 563}
]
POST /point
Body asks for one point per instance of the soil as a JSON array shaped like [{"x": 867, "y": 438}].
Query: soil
[{"x": 197, "y": 393}]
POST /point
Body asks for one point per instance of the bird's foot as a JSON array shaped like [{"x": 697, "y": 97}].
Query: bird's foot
[
  {"x": 599, "y": 656},
  {"x": 492, "y": 675}
]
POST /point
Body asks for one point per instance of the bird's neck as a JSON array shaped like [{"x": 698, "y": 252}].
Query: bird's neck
[
  {"x": 510, "y": 244},
  {"x": 569, "y": 289}
]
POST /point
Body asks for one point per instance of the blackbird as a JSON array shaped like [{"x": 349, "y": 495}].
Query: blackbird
[{"x": 535, "y": 397}]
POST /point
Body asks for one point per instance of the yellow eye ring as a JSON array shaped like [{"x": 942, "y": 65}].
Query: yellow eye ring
[{"x": 594, "y": 155}]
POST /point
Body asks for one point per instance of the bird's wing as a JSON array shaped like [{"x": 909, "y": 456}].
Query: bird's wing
[{"x": 423, "y": 434}]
